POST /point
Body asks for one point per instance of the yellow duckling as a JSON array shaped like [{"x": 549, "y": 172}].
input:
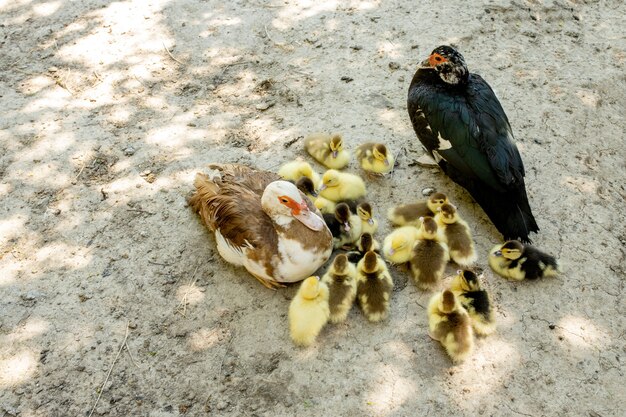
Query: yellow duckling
[
  {"x": 374, "y": 285},
  {"x": 457, "y": 234},
  {"x": 294, "y": 170},
  {"x": 338, "y": 186},
  {"x": 341, "y": 281},
  {"x": 308, "y": 311},
  {"x": 375, "y": 158},
  {"x": 466, "y": 286},
  {"x": 430, "y": 256},
  {"x": 365, "y": 212},
  {"x": 327, "y": 150},
  {"x": 324, "y": 205},
  {"x": 409, "y": 214},
  {"x": 398, "y": 245},
  {"x": 450, "y": 324},
  {"x": 517, "y": 261}
]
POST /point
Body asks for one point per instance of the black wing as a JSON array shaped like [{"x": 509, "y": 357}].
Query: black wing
[{"x": 470, "y": 131}]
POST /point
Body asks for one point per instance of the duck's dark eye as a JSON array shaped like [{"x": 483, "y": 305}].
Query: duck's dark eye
[
  {"x": 438, "y": 58},
  {"x": 284, "y": 200}
]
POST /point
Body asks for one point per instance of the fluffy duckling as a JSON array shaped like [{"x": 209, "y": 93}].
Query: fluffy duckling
[
  {"x": 398, "y": 245},
  {"x": 365, "y": 212},
  {"x": 324, "y": 205},
  {"x": 344, "y": 226},
  {"x": 409, "y": 214},
  {"x": 374, "y": 285},
  {"x": 375, "y": 158},
  {"x": 341, "y": 281},
  {"x": 328, "y": 206},
  {"x": 306, "y": 185},
  {"x": 430, "y": 256},
  {"x": 308, "y": 311},
  {"x": 327, "y": 150},
  {"x": 457, "y": 234},
  {"x": 466, "y": 286},
  {"x": 450, "y": 324},
  {"x": 339, "y": 186},
  {"x": 365, "y": 244},
  {"x": 517, "y": 261},
  {"x": 294, "y": 170}
]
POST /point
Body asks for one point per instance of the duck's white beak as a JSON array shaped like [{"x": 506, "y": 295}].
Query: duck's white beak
[
  {"x": 310, "y": 219},
  {"x": 370, "y": 221}
]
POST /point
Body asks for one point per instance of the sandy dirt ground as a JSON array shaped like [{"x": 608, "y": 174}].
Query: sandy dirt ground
[{"x": 113, "y": 299}]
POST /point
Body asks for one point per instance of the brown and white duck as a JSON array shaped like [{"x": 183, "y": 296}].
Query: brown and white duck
[{"x": 262, "y": 223}]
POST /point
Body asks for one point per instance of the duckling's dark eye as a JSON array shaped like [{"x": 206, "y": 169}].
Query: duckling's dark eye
[{"x": 438, "y": 58}]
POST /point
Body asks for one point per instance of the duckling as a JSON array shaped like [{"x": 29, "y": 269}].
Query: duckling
[
  {"x": 365, "y": 212},
  {"x": 365, "y": 243},
  {"x": 328, "y": 206},
  {"x": 294, "y": 170},
  {"x": 374, "y": 285},
  {"x": 375, "y": 158},
  {"x": 308, "y": 311},
  {"x": 450, "y": 324},
  {"x": 430, "y": 256},
  {"x": 338, "y": 186},
  {"x": 327, "y": 150},
  {"x": 409, "y": 214},
  {"x": 306, "y": 185},
  {"x": 457, "y": 234},
  {"x": 324, "y": 205},
  {"x": 344, "y": 226},
  {"x": 398, "y": 245},
  {"x": 517, "y": 261},
  {"x": 466, "y": 286},
  {"x": 341, "y": 281}
]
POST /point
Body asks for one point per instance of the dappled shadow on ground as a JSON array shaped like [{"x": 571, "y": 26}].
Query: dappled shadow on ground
[{"x": 110, "y": 107}]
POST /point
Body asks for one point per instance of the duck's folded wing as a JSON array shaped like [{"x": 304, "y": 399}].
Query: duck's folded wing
[
  {"x": 473, "y": 135},
  {"x": 234, "y": 210}
]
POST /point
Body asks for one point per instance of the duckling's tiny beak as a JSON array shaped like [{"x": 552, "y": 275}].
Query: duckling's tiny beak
[
  {"x": 335, "y": 153},
  {"x": 498, "y": 253},
  {"x": 346, "y": 226},
  {"x": 370, "y": 221},
  {"x": 314, "y": 193},
  {"x": 386, "y": 162},
  {"x": 392, "y": 251},
  {"x": 322, "y": 188}
]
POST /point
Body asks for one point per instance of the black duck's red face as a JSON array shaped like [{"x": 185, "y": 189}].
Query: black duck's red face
[{"x": 448, "y": 63}]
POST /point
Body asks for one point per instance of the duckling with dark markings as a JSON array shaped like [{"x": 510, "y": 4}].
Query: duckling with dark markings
[
  {"x": 450, "y": 324},
  {"x": 457, "y": 234},
  {"x": 430, "y": 256},
  {"x": 341, "y": 281},
  {"x": 466, "y": 286},
  {"x": 344, "y": 226},
  {"x": 409, "y": 214},
  {"x": 365, "y": 243},
  {"x": 518, "y": 261},
  {"x": 374, "y": 285},
  {"x": 366, "y": 213}
]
